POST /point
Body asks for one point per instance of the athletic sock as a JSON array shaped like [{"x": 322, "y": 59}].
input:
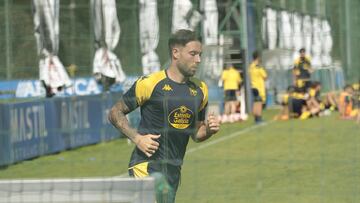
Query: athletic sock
[{"x": 258, "y": 119}]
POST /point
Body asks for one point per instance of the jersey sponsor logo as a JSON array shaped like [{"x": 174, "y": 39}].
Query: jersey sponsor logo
[
  {"x": 193, "y": 92},
  {"x": 181, "y": 118},
  {"x": 167, "y": 88}
]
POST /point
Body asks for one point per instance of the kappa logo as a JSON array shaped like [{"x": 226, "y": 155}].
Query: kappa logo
[
  {"x": 167, "y": 88},
  {"x": 193, "y": 92}
]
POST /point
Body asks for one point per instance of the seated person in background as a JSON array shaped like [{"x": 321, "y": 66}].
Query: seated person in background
[
  {"x": 297, "y": 104},
  {"x": 356, "y": 100},
  {"x": 346, "y": 103},
  {"x": 330, "y": 101},
  {"x": 314, "y": 100},
  {"x": 284, "y": 113},
  {"x": 318, "y": 105}
]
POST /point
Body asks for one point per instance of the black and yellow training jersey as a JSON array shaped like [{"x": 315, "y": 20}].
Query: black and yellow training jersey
[
  {"x": 167, "y": 108},
  {"x": 302, "y": 68},
  {"x": 258, "y": 76}
]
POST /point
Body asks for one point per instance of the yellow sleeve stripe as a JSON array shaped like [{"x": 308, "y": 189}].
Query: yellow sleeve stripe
[
  {"x": 205, "y": 91},
  {"x": 146, "y": 85}
]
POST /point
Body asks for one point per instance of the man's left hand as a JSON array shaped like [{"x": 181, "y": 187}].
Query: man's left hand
[{"x": 212, "y": 124}]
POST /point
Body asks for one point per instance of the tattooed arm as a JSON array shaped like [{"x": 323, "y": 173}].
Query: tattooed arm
[{"x": 146, "y": 143}]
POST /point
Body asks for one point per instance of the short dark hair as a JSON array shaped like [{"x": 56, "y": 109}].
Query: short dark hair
[
  {"x": 181, "y": 37},
  {"x": 302, "y": 50},
  {"x": 256, "y": 55}
]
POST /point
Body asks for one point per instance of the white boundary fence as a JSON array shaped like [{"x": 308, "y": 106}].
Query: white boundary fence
[{"x": 94, "y": 190}]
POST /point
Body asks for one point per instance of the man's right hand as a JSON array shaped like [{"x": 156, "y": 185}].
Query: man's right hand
[{"x": 147, "y": 143}]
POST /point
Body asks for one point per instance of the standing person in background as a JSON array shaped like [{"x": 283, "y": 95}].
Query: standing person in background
[
  {"x": 173, "y": 105},
  {"x": 258, "y": 77},
  {"x": 231, "y": 81},
  {"x": 302, "y": 71}
]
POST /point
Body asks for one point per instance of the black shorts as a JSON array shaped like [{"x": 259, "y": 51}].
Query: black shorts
[
  {"x": 296, "y": 105},
  {"x": 256, "y": 95},
  {"x": 307, "y": 84},
  {"x": 171, "y": 172},
  {"x": 230, "y": 95}
]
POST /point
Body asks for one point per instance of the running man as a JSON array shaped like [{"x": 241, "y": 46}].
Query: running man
[{"x": 173, "y": 105}]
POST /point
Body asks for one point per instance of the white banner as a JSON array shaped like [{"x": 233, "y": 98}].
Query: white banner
[
  {"x": 286, "y": 32},
  {"x": 212, "y": 54},
  {"x": 298, "y": 35},
  {"x": 307, "y": 33},
  {"x": 184, "y": 16},
  {"x": 107, "y": 63},
  {"x": 327, "y": 43},
  {"x": 107, "y": 35},
  {"x": 316, "y": 43},
  {"x": 46, "y": 22},
  {"x": 271, "y": 27},
  {"x": 210, "y": 22},
  {"x": 149, "y": 35},
  {"x": 106, "y": 23},
  {"x": 298, "y": 31},
  {"x": 53, "y": 73}
]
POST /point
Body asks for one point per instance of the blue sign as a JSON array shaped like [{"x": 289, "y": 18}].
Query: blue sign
[
  {"x": 32, "y": 129},
  {"x": 80, "y": 87}
]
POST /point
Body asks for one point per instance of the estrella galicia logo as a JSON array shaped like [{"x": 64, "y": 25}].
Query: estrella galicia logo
[{"x": 181, "y": 118}]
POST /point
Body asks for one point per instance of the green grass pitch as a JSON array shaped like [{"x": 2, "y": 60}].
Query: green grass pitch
[{"x": 315, "y": 160}]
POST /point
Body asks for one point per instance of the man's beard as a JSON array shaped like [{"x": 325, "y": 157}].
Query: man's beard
[{"x": 185, "y": 70}]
